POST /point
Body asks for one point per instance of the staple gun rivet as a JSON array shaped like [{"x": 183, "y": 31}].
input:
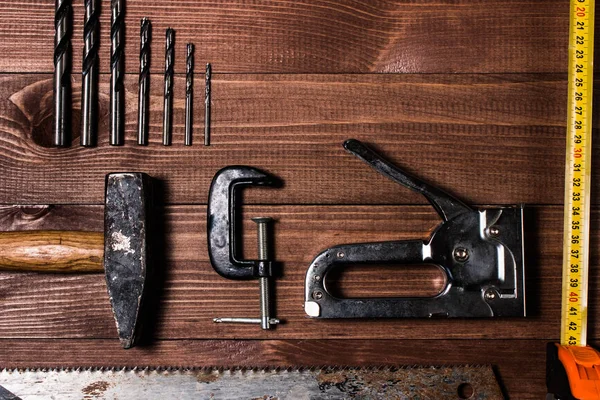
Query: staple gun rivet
[
  {"x": 340, "y": 255},
  {"x": 317, "y": 295},
  {"x": 461, "y": 254},
  {"x": 494, "y": 231},
  {"x": 490, "y": 294}
]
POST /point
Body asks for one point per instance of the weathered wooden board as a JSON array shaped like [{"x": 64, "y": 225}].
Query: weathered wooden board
[
  {"x": 311, "y": 36},
  {"x": 190, "y": 293},
  {"x": 487, "y": 138},
  {"x": 519, "y": 364},
  {"x": 294, "y": 79}
]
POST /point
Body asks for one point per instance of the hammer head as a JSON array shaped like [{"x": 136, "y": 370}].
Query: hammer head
[{"x": 126, "y": 214}]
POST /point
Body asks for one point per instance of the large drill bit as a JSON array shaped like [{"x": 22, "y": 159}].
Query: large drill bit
[
  {"x": 117, "y": 90},
  {"x": 207, "y": 105},
  {"x": 62, "y": 75},
  {"x": 144, "y": 82},
  {"x": 189, "y": 94},
  {"x": 89, "y": 72},
  {"x": 169, "y": 74}
]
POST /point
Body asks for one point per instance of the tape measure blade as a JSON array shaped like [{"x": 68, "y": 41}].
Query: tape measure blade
[{"x": 578, "y": 175}]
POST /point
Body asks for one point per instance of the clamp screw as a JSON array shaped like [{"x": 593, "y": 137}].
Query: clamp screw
[
  {"x": 263, "y": 255},
  {"x": 461, "y": 254}
]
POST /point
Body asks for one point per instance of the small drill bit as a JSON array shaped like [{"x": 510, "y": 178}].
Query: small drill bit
[
  {"x": 189, "y": 94},
  {"x": 169, "y": 73},
  {"x": 117, "y": 90},
  {"x": 144, "y": 82},
  {"x": 207, "y": 106},
  {"x": 89, "y": 72},
  {"x": 63, "y": 25}
]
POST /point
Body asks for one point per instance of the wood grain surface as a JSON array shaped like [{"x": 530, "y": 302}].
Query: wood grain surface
[
  {"x": 487, "y": 138},
  {"x": 289, "y": 36},
  {"x": 52, "y": 251},
  {"x": 469, "y": 95}
]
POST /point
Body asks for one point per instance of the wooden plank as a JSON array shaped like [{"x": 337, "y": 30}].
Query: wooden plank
[
  {"x": 522, "y": 377},
  {"x": 487, "y": 138},
  {"x": 312, "y": 36},
  {"x": 190, "y": 293}
]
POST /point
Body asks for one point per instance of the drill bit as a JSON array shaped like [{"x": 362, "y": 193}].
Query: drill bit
[
  {"x": 89, "y": 72},
  {"x": 189, "y": 94},
  {"x": 144, "y": 82},
  {"x": 63, "y": 25},
  {"x": 169, "y": 73},
  {"x": 207, "y": 106},
  {"x": 117, "y": 90}
]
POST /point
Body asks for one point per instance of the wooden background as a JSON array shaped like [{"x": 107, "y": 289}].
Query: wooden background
[{"x": 468, "y": 94}]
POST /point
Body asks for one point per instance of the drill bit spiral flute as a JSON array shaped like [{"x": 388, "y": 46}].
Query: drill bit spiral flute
[
  {"x": 89, "y": 72},
  {"x": 117, "y": 90},
  {"x": 62, "y": 76},
  {"x": 169, "y": 73},
  {"x": 144, "y": 82},
  {"x": 207, "y": 105},
  {"x": 189, "y": 94}
]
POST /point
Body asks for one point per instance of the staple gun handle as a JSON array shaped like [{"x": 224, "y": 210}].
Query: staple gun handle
[
  {"x": 444, "y": 204},
  {"x": 401, "y": 252},
  {"x": 321, "y": 303}
]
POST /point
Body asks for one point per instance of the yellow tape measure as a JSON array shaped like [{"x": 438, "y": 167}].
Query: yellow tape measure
[{"x": 578, "y": 175}]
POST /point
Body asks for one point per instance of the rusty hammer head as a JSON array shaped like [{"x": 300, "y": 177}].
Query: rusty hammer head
[{"x": 127, "y": 205}]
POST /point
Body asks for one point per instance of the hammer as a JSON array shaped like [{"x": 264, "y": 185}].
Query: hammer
[{"x": 124, "y": 241}]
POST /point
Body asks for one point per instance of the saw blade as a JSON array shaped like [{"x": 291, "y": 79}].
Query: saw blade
[{"x": 451, "y": 382}]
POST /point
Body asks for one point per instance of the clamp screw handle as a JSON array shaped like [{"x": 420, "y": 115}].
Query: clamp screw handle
[{"x": 265, "y": 319}]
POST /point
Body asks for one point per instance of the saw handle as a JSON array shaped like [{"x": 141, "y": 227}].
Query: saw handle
[{"x": 52, "y": 251}]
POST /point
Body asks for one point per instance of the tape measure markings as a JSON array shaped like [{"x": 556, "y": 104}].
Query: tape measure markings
[{"x": 578, "y": 174}]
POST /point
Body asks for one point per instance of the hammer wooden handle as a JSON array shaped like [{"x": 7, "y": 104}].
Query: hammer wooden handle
[{"x": 52, "y": 251}]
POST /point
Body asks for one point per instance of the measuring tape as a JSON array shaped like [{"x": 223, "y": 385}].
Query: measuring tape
[{"x": 578, "y": 175}]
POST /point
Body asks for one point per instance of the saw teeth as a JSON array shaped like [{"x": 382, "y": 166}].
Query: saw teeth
[{"x": 234, "y": 369}]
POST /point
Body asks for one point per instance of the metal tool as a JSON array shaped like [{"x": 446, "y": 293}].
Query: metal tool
[
  {"x": 144, "y": 82},
  {"x": 572, "y": 366},
  {"x": 458, "y": 382},
  {"x": 117, "y": 88},
  {"x": 189, "y": 94},
  {"x": 224, "y": 234},
  {"x": 126, "y": 250},
  {"x": 578, "y": 175},
  {"x": 169, "y": 75},
  {"x": 63, "y": 24},
  {"x": 479, "y": 250},
  {"x": 89, "y": 72},
  {"x": 207, "y": 95},
  {"x": 125, "y": 264}
]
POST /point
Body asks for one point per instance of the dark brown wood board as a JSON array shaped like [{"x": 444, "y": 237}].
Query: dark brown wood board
[
  {"x": 308, "y": 36},
  {"x": 470, "y": 95},
  {"x": 465, "y": 133}
]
